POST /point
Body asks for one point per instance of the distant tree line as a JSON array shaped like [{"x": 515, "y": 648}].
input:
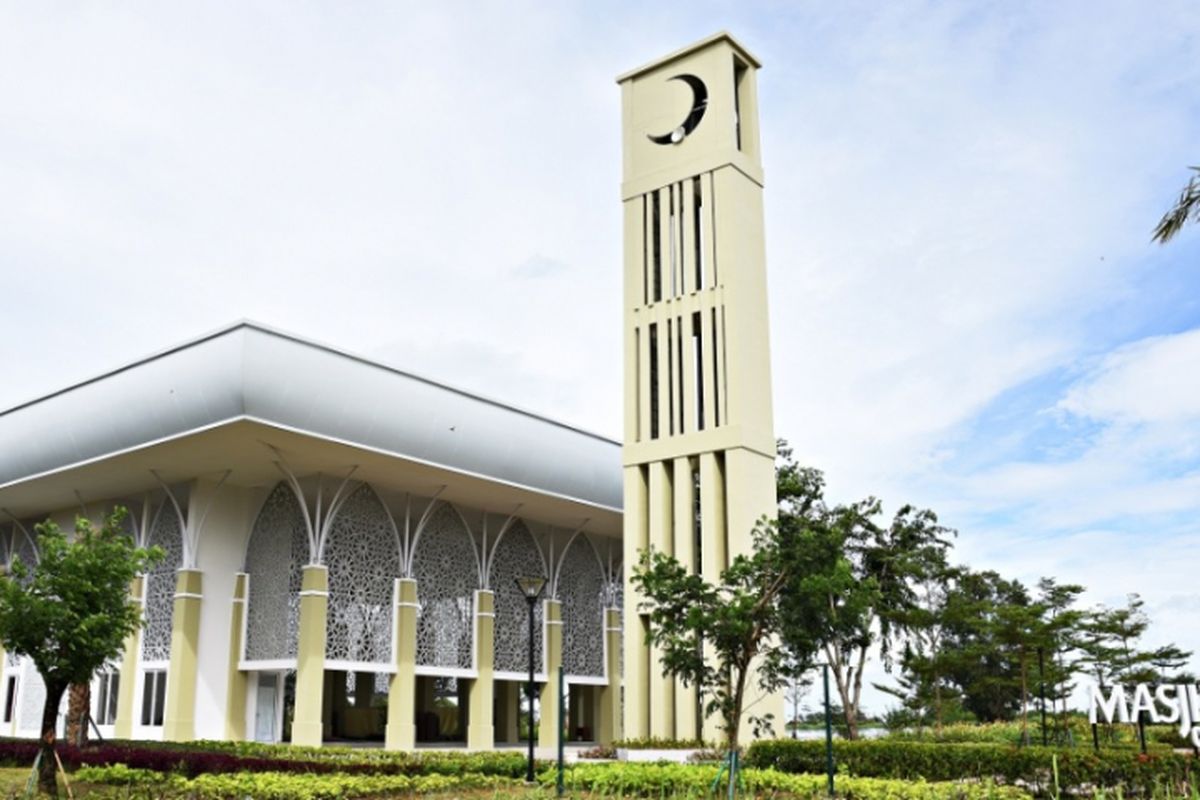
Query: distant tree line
[{"x": 835, "y": 584}]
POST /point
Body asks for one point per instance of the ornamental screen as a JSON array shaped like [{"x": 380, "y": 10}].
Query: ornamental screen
[
  {"x": 445, "y": 568},
  {"x": 516, "y": 555},
  {"x": 160, "y": 584},
  {"x": 277, "y": 551},
  {"x": 581, "y": 588},
  {"x": 363, "y": 558},
  {"x": 33, "y": 698}
]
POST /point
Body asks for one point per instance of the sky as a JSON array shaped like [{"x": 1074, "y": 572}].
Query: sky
[{"x": 967, "y": 313}]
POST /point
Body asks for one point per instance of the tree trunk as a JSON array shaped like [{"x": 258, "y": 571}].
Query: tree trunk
[
  {"x": 1024, "y": 702},
  {"x": 48, "y": 768},
  {"x": 79, "y": 704},
  {"x": 937, "y": 702}
]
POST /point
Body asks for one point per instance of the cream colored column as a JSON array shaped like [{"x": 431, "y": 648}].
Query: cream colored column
[
  {"x": 551, "y": 660},
  {"x": 750, "y": 480},
  {"x": 662, "y": 686},
  {"x": 179, "y": 720},
  {"x": 402, "y": 693},
  {"x": 307, "y": 727},
  {"x": 713, "y": 558},
  {"x": 235, "y": 698},
  {"x": 608, "y": 728},
  {"x": 636, "y": 724},
  {"x": 481, "y": 731},
  {"x": 684, "y": 527},
  {"x": 123, "y": 728}
]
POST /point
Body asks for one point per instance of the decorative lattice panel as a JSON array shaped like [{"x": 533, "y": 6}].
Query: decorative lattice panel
[
  {"x": 363, "y": 558},
  {"x": 160, "y": 585},
  {"x": 516, "y": 555},
  {"x": 277, "y": 552},
  {"x": 23, "y": 548},
  {"x": 33, "y": 698},
  {"x": 445, "y": 568},
  {"x": 582, "y": 589},
  {"x": 617, "y": 595}
]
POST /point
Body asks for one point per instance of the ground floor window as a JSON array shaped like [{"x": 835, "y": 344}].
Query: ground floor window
[
  {"x": 106, "y": 698},
  {"x": 154, "y": 695},
  {"x": 10, "y": 697}
]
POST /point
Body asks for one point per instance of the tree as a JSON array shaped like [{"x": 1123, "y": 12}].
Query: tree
[
  {"x": 981, "y": 669},
  {"x": 717, "y": 637},
  {"x": 923, "y": 686},
  {"x": 1186, "y": 208},
  {"x": 852, "y": 580},
  {"x": 797, "y": 688},
  {"x": 1058, "y": 661},
  {"x": 1110, "y": 645},
  {"x": 71, "y": 612}
]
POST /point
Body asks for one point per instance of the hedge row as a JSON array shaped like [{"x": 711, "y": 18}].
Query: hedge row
[
  {"x": 280, "y": 785},
  {"x": 660, "y": 779},
  {"x": 1078, "y": 770},
  {"x": 201, "y": 758}
]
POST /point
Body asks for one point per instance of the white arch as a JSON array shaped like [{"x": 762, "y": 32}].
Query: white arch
[
  {"x": 508, "y": 525},
  {"x": 424, "y": 522}
]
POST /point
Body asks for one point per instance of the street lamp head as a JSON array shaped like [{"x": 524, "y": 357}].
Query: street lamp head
[{"x": 531, "y": 586}]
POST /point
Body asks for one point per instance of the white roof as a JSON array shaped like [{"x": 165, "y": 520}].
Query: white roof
[{"x": 248, "y": 372}]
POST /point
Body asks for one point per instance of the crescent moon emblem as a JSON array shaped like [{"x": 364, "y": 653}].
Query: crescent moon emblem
[{"x": 699, "y": 104}]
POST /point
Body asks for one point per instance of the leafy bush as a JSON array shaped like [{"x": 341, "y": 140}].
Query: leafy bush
[
  {"x": 1075, "y": 728},
  {"x": 1078, "y": 770},
  {"x": 283, "y": 785},
  {"x": 657, "y": 780},
  {"x": 204, "y": 758},
  {"x": 654, "y": 743}
]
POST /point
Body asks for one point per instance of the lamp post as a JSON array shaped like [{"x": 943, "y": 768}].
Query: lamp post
[{"x": 531, "y": 589}]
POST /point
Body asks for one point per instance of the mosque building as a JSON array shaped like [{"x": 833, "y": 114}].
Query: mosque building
[{"x": 344, "y": 539}]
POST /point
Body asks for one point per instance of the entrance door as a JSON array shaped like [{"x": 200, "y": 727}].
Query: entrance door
[{"x": 264, "y": 708}]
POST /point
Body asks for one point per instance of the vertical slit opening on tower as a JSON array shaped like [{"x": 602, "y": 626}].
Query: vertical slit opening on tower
[
  {"x": 637, "y": 384},
  {"x": 670, "y": 380},
  {"x": 679, "y": 371},
  {"x": 645, "y": 260},
  {"x": 698, "y": 233},
  {"x": 656, "y": 243},
  {"x": 716, "y": 367},
  {"x": 653, "y": 343},
  {"x": 672, "y": 221},
  {"x": 698, "y": 368},
  {"x": 681, "y": 240},
  {"x": 724, "y": 363}
]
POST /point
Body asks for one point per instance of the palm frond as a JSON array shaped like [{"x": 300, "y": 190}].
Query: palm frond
[{"x": 1186, "y": 208}]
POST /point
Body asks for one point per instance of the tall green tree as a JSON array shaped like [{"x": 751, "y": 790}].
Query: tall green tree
[
  {"x": 723, "y": 637},
  {"x": 71, "y": 612},
  {"x": 853, "y": 581},
  {"x": 1112, "y": 652},
  {"x": 975, "y": 661},
  {"x": 923, "y": 685},
  {"x": 1058, "y": 660}
]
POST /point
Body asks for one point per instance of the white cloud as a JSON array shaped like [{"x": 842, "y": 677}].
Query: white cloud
[{"x": 1154, "y": 380}]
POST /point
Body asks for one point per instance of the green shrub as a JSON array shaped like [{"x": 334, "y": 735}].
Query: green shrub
[
  {"x": 1077, "y": 725},
  {"x": 1079, "y": 770},
  {"x": 285, "y": 785},
  {"x": 658, "y": 780},
  {"x": 196, "y": 758},
  {"x": 654, "y": 743}
]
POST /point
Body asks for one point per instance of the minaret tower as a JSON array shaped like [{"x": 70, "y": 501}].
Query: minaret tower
[{"x": 699, "y": 438}]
